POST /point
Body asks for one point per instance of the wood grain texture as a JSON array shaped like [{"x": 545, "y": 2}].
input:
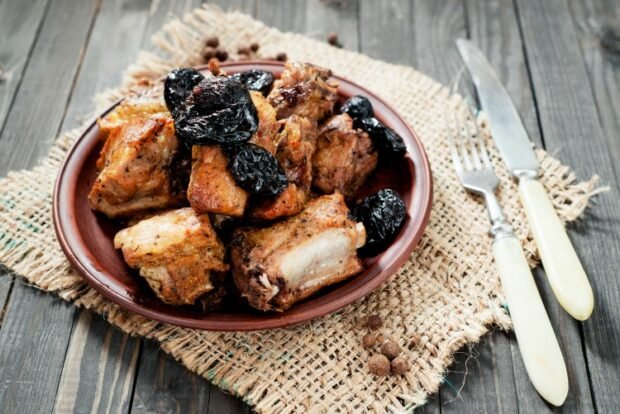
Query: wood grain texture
[
  {"x": 33, "y": 341},
  {"x": 493, "y": 26},
  {"x": 386, "y": 31},
  {"x": 88, "y": 372},
  {"x": 20, "y": 22},
  {"x": 36, "y": 326},
  {"x": 481, "y": 379},
  {"x": 99, "y": 368},
  {"x": 6, "y": 283},
  {"x": 570, "y": 123},
  {"x": 37, "y": 111},
  {"x": 163, "y": 385},
  {"x": 597, "y": 23},
  {"x": 114, "y": 44}
]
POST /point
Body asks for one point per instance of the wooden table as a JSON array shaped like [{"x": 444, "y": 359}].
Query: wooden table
[{"x": 560, "y": 60}]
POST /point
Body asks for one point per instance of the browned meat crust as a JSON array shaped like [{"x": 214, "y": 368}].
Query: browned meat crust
[
  {"x": 275, "y": 267},
  {"x": 344, "y": 157},
  {"x": 134, "y": 168},
  {"x": 212, "y": 189},
  {"x": 296, "y": 146},
  {"x": 305, "y": 90},
  {"x": 177, "y": 252}
]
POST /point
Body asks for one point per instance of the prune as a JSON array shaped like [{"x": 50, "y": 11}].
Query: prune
[
  {"x": 358, "y": 107},
  {"x": 383, "y": 214},
  {"x": 179, "y": 170},
  {"x": 255, "y": 80},
  {"x": 389, "y": 144},
  {"x": 256, "y": 170},
  {"x": 218, "y": 111},
  {"x": 178, "y": 85}
]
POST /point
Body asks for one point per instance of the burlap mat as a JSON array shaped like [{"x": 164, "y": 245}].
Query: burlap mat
[{"x": 447, "y": 295}]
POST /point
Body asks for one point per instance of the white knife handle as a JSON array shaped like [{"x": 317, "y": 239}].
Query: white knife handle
[
  {"x": 537, "y": 342},
  {"x": 566, "y": 276}
]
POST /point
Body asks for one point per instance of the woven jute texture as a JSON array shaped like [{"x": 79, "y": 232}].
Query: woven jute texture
[{"x": 447, "y": 294}]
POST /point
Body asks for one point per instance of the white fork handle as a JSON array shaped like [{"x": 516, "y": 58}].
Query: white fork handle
[
  {"x": 564, "y": 271},
  {"x": 537, "y": 342}
]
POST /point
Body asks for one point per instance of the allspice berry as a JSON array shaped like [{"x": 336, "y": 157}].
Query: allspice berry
[
  {"x": 221, "y": 55},
  {"x": 254, "y": 47},
  {"x": 379, "y": 365},
  {"x": 368, "y": 341},
  {"x": 243, "y": 51},
  {"x": 213, "y": 42},
  {"x": 390, "y": 349},
  {"x": 375, "y": 322},
  {"x": 399, "y": 365},
  {"x": 332, "y": 39},
  {"x": 281, "y": 57}
]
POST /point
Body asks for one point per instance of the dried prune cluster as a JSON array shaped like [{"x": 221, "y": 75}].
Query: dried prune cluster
[
  {"x": 256, "y": 170},
  {"x": 178, "y": 86},
  {"x": 255, "y": 80},
  {"x": 219, "y": 110},
  {"x": 383, "y": 214},
  {"x": 385, "y": 139},
  {"x": 389, "y": 144}
]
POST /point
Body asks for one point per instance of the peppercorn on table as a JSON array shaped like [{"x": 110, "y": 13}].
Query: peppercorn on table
[{"x": 558, "y": 60}]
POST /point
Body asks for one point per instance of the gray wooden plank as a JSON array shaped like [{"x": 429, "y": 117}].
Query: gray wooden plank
[
  {"x": 6, "y": 283},
  {"x": 20, "y": 22},
  {"x": 386, "y": 31},
  {"x": 38, "y": 109},
  {"x": 33, "y": 341},
  {"x": 570, "y": 123},
  {"x": 114, "y": 44},
  {"x": 481, "y": 379},
  {"x": 36, "y": 327},
  {"x": 99, "y": 369},
  {"x": 106, "y": 57},
  {"x": 493, "y": 26},
  {"x": 163, "y": 385},
  {"x": 597, "y": 23}
]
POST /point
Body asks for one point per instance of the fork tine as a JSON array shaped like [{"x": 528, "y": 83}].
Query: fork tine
[
  {"x": 472, "y": 135},
  {"x": 462, "y": 141},
  {"x": 481, "y": 144},
  {"x": 456, "y": 159}
]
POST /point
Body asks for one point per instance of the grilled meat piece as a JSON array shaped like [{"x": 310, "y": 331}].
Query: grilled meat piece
[
  {"x": 268, "y": 127},
  {"x": 177, "y": 252},
  {"x": 275, "y": 267},
  {"x": 134, "y": 164},
  {"x": 344, "y": 157},
  {"x": 305, "y": 90},
  {"x": 296, "y": 146},
  {"x": 212, "y": 189},
  {"x": 144, "y": 101}
]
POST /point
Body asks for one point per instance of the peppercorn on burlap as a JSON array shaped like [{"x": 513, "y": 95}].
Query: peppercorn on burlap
[{"x": 447, "y": 294}]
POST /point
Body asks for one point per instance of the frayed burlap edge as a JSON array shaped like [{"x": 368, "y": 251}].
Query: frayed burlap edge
[{"x": 446, "y": 296}]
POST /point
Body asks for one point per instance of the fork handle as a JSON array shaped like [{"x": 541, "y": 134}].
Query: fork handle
[
  {"x": 564, "y": 271},
  {"x": 537, "y": 342}
]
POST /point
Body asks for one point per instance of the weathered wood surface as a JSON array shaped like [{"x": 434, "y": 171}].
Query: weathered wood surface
[{"x": 560, "y": 61}]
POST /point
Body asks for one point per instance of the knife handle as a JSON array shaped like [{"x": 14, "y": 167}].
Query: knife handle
[
  {"x": 564, "y": 271},
  {"x": 537, "y": 342}
]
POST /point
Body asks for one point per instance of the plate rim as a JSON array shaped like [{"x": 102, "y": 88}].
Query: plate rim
[{"x": 421, "y": 169}]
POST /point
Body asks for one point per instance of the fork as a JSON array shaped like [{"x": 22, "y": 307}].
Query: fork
[{"x": 538, "y": 344}]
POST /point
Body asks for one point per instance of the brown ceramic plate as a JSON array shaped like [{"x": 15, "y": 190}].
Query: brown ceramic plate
[{"x": 86, "y": 237}]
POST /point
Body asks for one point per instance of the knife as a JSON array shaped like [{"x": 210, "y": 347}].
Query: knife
[{"x": 564, "y": 271}]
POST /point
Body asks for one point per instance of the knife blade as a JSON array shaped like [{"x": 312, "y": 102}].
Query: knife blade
[
  {"x": 565, "y": 273},
  {"x": 506, "y": 126}
]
